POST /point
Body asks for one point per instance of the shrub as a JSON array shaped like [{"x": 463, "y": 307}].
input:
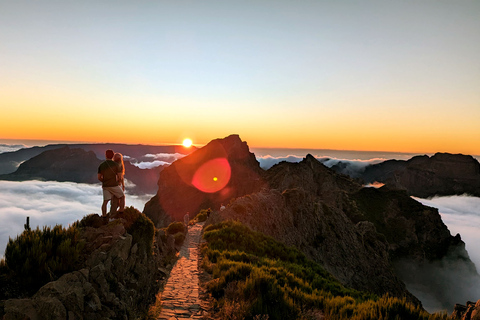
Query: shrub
[
  {"x": 202, "y": 215},
  {"x": 141, "y": 228},
  {"x": 91, "y": 220},
  {"x": 39, "y": 256},
  {"x": 254, "y": 275},
  {"x": 175, "y": 227},
  {"x": 179, "y": 238}
]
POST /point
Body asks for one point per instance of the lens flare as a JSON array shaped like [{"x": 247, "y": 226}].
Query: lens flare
[{"x": 212, "y": 176}]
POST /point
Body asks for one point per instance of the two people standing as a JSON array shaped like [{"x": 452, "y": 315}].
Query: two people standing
[{"x": 111, "y": 173}]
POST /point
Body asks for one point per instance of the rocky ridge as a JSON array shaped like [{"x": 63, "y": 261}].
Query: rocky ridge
[
  {"x": 363, "y": 236},
  {"x": 117, "y": 281}
]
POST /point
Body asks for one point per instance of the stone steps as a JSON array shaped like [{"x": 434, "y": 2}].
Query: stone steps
[{"x": 180, "y": 298}]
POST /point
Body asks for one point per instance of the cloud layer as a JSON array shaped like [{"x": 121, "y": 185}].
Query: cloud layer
[
  {"x": 150, "y": 161},
  {"x": 11, "y": 147},
  {"x": 351, "y": 167},
  {"x": 461, "y": 214},
  {"x": 48, "y": 204}
]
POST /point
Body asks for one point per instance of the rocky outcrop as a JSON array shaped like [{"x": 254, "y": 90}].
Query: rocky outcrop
[
  {"x": 471, "y": 311},
  {"x": 221, "y": 170},
  {"x": 363, "y": 236},
  {"x": 424, "y": 176},
  {"x": 370, "y": 239},
  {"x": 117, "y": 281}
]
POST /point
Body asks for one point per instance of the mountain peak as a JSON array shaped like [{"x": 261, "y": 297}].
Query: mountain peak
[{"x": 221, "y": 170}]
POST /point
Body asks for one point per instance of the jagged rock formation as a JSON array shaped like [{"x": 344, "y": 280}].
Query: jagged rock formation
[
  {"x": 364, "y": 236},
  {"x": 423, "y": 176},
  {"x": 118, "y": 280},
  {"x": 306, "y": 206},
  {"x": 469, "y": 312},
  {"x": 222, "y": 170}
]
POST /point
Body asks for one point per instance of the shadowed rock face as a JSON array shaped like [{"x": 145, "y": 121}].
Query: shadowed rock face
[
  {"x": 361, "y": 235},
  {"x": 365, "y": 237},
  {"x": 222, "y": 170},
  {"x": 423, "y": 176}
]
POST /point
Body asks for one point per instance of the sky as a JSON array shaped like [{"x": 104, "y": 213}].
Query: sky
[{"x": 400, "y": 76}]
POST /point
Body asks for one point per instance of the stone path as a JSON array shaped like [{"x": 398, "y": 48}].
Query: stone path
[{"x": 180, "y": 298}]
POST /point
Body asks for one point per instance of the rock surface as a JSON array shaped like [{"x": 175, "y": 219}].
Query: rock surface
[
  {"x": 116, "y": 282},
  {"x": 361, "y": 235},
  {"x": 471, "y": 311},
  {"x": 180, "y": 297}
]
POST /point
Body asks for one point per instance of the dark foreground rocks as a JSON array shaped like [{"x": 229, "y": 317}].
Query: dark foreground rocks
[{"x": 119, "y": 279}]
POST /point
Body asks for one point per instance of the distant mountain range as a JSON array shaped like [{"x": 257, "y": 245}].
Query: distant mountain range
[{"x": 79, "y": 163}]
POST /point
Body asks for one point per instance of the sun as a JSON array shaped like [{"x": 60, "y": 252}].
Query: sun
[{"x": 187, "y": 143}]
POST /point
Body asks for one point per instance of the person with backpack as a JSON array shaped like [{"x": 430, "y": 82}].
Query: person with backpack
[{"x": 108, "y": 172}]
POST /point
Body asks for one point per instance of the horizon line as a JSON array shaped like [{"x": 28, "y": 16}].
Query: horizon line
[{"x": 45, "y": 142}]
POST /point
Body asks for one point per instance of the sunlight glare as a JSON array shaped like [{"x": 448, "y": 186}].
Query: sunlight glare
[{"x": 187, "y": 143}]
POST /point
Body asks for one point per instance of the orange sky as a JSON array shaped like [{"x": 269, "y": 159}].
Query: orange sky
[{"x": 389, "y": 77}]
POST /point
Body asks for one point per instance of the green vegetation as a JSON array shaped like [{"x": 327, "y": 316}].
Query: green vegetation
[
  {"x": 177, "y": 229},
  {"x": 255, "y": 276},
  {"x": 38, "y": 256},
  {"x": 141, "y": 228},
  {"x": 202, "y": 215}
]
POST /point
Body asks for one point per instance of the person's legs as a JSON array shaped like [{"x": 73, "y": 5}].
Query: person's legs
[
  {"x": 106, "y": 197},
  {"x": 115, "y": 202},
  {"x": 121, "y": 204},
  {"x": 116, "y": 196},
  {"x": 104, "y": 207}
]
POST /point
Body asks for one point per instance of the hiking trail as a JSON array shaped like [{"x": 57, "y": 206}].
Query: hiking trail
[{"x": 180, "y": 298}]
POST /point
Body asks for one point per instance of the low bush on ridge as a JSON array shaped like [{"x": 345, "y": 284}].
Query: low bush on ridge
[
  {"x": 38, "y": 256},
  {"x": 255, "y": 275},
  {"x": 202, "y": 215},
  {"x": 175, "y": 227}
]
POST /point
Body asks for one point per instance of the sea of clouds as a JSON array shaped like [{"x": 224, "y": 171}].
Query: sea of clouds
[
  {"x": 11, "y": 147},
  {"x": 352, "y": 167},
  {"x": 461, "y": 214},
  {"x": 150, "y": 161},
  {"x": 49, "y": 203}
]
